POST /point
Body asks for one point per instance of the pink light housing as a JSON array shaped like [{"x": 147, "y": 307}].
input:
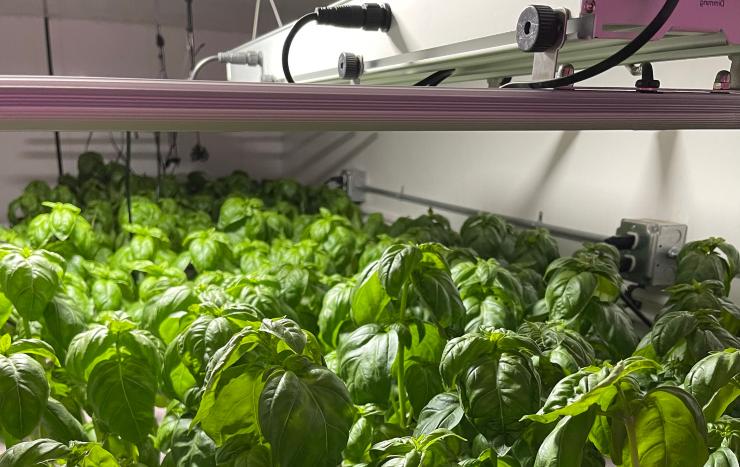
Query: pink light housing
[{"x": 623, "y": 19}]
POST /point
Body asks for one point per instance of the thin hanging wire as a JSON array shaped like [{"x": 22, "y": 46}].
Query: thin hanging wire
[
  {"x": 116, "y": 147},
  {"x": 199, "y": 153},
  {"x": 172, "y": 158},
  {"x": 128, "y": 176},
  {"x": 276, "y": 13},
  {"x": 256, "y": 21},
  {"x": 50, "y": 66},
  {"x": 89, "y": 140}
]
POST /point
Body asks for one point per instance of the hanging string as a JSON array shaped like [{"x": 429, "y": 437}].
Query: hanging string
[
  {"x": 256, "y": 21},
  {"x": 199, "y": 153},
  {"x": 128, "y": 176},
  {"x": 50, "y": 69},
  {"x": 89, "y": 139},
  {"x": 172, "y": 158},
  {"x": 276, "y": 13}
]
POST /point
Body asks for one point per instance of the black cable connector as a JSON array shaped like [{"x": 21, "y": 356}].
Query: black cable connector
[
  {"x": 370, "y": 17},
  {"x": 622, "y": 242}
]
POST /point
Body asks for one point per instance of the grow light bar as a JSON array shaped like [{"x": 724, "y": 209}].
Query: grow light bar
[
  {"x": 697, "y": 29},
  {"x": 104, "y": 104}
]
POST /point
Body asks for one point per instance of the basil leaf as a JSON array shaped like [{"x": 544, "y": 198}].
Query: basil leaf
[
  {"x": 23, "y": 394},
  {"x": 306, "y": 413}
]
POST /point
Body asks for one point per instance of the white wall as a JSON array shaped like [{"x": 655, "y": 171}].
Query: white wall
[{"x": 94, "y": 48}]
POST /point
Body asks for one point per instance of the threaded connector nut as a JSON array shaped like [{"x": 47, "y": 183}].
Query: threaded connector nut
[
  {"x": 539, "y": 29},
  {"x": 350, "y": 66}
]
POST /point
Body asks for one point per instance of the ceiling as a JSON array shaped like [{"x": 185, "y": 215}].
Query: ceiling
[{"x": 215, "y": 15}]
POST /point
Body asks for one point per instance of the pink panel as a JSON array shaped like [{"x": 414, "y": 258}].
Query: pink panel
[{"x": 689, "y": 16}]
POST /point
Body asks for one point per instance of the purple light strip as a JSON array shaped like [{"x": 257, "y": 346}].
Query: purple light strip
[{"x": 82, "y": 104}]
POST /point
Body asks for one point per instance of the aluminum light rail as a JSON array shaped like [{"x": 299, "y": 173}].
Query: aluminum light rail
[
  {"x": 697, "y": 29},
  {"x": 96, "y": 104}
]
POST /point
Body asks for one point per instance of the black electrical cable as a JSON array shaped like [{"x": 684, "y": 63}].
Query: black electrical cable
[
  {"x": 50, "y": 67},
  {"x": 622, "y": 242},
  {"x": 289, "y": 41},
  {"x": 620, "y": 56},
  {"x": 368, "y": 16},
  {"x": 436, "y": 78},
  {"x": 157, "y": 143},
  {"x": 635, "y": 309},
  {"x": 128, "y": 176}
]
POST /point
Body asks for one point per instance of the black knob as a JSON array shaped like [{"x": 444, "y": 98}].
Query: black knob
[
  {"x": 349, "y": 66},
  {"x": 539, "y": 29}
]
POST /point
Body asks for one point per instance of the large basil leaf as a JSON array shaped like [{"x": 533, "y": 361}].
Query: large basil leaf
[
  {"x": 569, "y": 293},
  {"x": 60, "y": 425},
  {"x": 564, "y": 446},
  {"x": 184, "y": 445},
  {"x": 439, "y": 294},
  {"x": 335, "y": 313},
  {"x": 461, "y": 352},
  {"x": 305, "y": 413},
  {"x": 564, "y": 347},
  {"x": 33, "y": 453},
  {"x": 29, "y": 279},
  {"x": 422, "y": 382},
  {"x": 711, "y": 259},
  {"x": 365, "y": 359},
  {"x": 23, "y": 394},
  {"x": 359, "y": 441},
  {"x": 612, "y": 324},
  {"x": 578, "y": 392},
  {"x": 443, "y": 411},
  {"x": 670, "y": 430},
  {"x": 715, "y": 382},
  {"x": 369, "y": 299},
  {"x": 396, "y": 266},
  {"x": 497, "y": 391},
  {"x": 64, "y": 320},
  {"x": 121, "y": 393},
  {"x": 485, "y": 233}
]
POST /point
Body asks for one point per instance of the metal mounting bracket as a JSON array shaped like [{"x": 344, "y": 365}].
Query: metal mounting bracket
[
  {"x": 545, "y": 65},
  {"x": 735, "y": 72}
]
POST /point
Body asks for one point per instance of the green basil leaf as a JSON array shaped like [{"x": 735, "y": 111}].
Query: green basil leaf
[
  {"x": 497, "y": 391},
  {"x": 365, "y": 360},
  {"x": 396, "y": 266},
  {"x": 443, "y": 411},
  {"x": 670, "y": 430},
  {"x": 121, "y": 393},
  {"x": 565, "y": 445},
  {"x": 23, "y": 394},
  {"x": 568, "y": 294},
  {"x": 306, "y": 413},
  {"x": 60, "y": 425},
  {"x": 30, "y": 279},
  {"x": 369, "y": 299},
  {"x": 715, "y": 382},
  {"x": 33, "y": 453},
  {"x": 33, "y": 347}
]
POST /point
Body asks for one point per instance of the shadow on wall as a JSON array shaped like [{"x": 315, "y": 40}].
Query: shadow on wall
[
  {"x": 344, "y": 159},
  {"x": 314, "y": 160},
  {"x": 541, "y": 182},
  {"x": 665, "y": 189}
]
